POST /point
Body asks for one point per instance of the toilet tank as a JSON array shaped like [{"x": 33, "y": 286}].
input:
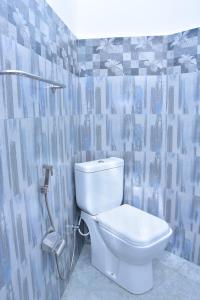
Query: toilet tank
[{"x": 99, "y": 184}]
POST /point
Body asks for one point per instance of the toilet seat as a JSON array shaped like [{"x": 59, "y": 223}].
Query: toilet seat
[{"x": 133, "y": 225}]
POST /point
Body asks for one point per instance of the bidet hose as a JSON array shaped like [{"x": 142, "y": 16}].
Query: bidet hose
[
  {"x": 74, "y": 248},
  {"x": 79, "y": 230},
  {"x": 44, "y": 190},
  {"x": 62, "y": 277},
  {"x": 48, "y": 211}
]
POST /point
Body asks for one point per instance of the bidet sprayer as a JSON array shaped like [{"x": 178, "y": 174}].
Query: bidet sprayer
[{"x": 48, "y": 172}]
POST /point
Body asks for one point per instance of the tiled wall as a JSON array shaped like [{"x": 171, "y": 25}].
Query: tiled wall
[
  {"x": 37, "y": 127},
  {"x": 135, "y": 56},
  {"x": 140, "y": 100},
  {"x": 136, "y": 98}
]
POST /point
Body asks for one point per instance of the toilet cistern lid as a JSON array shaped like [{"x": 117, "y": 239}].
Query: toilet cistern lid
[
  {"x": 133, "y": 225},
  {"x": 99, "y": 165}
]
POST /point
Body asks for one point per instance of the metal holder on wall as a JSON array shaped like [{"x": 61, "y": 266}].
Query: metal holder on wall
[{"x": 53, "y": 84}]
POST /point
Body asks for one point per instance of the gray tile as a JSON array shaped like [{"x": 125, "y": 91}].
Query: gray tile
[
  {"x": 171, "y": 260},
  {"x": 191, "y": 271},
  {"x": 161, "y": 273},
  {"x": 177, "y": 287}
]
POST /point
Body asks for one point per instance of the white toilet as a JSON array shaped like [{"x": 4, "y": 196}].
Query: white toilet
[{"x": 124, "y": 239}]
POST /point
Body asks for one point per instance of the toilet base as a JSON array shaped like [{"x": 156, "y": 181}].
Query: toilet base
[{"x": 136, "y": 279}]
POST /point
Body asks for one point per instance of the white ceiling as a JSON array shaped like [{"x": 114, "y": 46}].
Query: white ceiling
[{"x": 111, "y": 18}]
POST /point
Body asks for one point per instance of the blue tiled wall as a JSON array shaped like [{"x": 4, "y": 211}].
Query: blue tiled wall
[
  {"x": 151, "y": 55},
  {"x": 140, "y": 100},
  {"x": 37, "y": 126},
  {"x": 137, "y": 98}
]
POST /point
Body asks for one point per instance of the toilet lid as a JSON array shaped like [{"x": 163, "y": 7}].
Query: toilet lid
[{"x": 133, "y": 225}]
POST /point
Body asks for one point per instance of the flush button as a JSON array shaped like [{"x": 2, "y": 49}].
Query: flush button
[{"x": 100, "y": 161}]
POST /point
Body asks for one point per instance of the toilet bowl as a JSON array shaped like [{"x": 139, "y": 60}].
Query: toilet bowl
[{"x": 124, "y": 239}]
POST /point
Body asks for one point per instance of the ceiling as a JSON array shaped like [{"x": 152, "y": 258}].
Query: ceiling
[{"x": 111, "y": 18}]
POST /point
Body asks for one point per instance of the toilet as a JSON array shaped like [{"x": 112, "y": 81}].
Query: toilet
[{"x": 124, "y": 239}]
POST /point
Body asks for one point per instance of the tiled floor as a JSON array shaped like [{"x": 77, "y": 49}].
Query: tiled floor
[{"x": 174, "y": 278}]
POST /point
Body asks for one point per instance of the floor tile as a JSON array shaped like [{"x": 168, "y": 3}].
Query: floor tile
[
  {"x": 178, "y": 287},
  {"x": 171, "y": 260},
  {"x": 161, "y": 273},
  {"x": 191, "y": 271}
]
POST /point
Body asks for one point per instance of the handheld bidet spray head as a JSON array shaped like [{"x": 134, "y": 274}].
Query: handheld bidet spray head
[
  {"x": 44, "y": 190},
  {"x": 48, "y": 172}
]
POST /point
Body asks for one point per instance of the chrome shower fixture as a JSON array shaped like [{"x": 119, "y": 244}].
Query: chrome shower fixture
[
  {"x": 48, "y": 172},
  {"x": 44, "y": 190},
  {"x": 52, "y": 242}
]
